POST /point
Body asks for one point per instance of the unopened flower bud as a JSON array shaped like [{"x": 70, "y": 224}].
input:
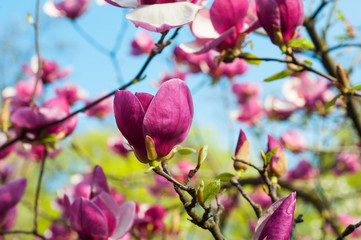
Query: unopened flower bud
[
  {"x": 242, "y": 152},
  {"x": 278, "y": 163}
]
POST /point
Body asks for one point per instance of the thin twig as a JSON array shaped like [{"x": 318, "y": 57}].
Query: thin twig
[
  {"x": 319, "y": 9},
  {"x": 350, "y": 228},
  {"x": 344, "y": 45},
  {"x": 38, "y": 188},
  {"x": 257, "y": 208},
  {"x": 13, "y": 232},
  {"x": 37, "y": 49}
]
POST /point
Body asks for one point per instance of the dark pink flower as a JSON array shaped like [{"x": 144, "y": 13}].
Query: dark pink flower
[
  {"x": 276, "y": 222},
  {"x": 303, "y": 170},
  {"x": 163, "y": 120},
  {"x": 279, "y": 109},
  {"x": 251, "y": 112},
  {"x": 260, "y": 197},
  {"x": 293, "y": 140},
  {"x": 278, "y": 164},
  {"x": 67, "y": 8},
  {"x": 35, "y": 152},
  {"x": 50, "y": 70},
  {"x": 10, "y": 195},
  {"x": 100, "y": 110},
  {"x": 6, "y": 151},
  {"x": 280, "y": 18},
  {"x": 115, "y": 144},
  {"x": 149, "y": 220},
  {"x": 158, "y": 15},
  {"x": 245, "y": 91},
  {"x": 347, "y": 162},
  {"x": 218, "y": 27},
  {"x": 176, "y": 73},
  {"x": 71, "y": 93},
  {"x": 143, "y": 43}
]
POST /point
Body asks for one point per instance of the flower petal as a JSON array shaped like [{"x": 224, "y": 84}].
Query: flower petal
[
  {"x": 169, "y": 116},
  {"x": 99, "y": 182},
  {"x": 202, "y": 27},
  {"x": 10, "y": 194},
  {"x": 125, "y": 219},
  {"x": 129, "y": 115},
  {"x": 162, "y": 17},
  {"x": 124, "y": 3}
]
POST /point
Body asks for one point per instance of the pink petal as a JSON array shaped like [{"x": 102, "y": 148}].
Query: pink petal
[
  {"x": 124, "y": 3},
  {"x": 99, "y": 182},
  {"x": 110, "y": 209},
  {"x": 10, "y": 194},
  {"x": 129, "y": 115},
  {"x": 202, "y": 27},
  {"x": 125, "y": 219},
  {"x": 162, "y": 17},
  {"x": 169, "y": 116}
]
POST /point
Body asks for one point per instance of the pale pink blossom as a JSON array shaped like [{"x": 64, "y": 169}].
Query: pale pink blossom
[
  {"x": 67, "y": 8},
  {"x": 143, "y": 43},
  {"x": 71, "y": 93},
  {"x": 293, "y": 140}
]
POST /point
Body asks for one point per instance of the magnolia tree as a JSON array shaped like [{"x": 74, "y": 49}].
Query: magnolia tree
[{"x": 141, "y": 183}]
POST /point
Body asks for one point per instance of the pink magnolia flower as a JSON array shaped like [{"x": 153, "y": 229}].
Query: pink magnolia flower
[
  {"x": 6, "y": 151},
  {"x": 279, "y": 109},
  {"x": 305, "y": 91},
  {"x": 181, "y": 169},
  {"x": 71, "y": 93},
  {"x": 10, "y": 195},
  {"x": 35, "y": 152},
  {"x": 100, "y": 110},
  {"x": 143, "y": 43},
  {"x": 242, "y": 152},
  {"x": 251, "y": 112},
  {"x": 67, "y": 8},
  {"x": 149, "y": 220},
  {"x": 278, "y": 164},
  {"x": 304, "y": 170},
  {"x": 280, "y": 18},
  {"x": 260, "y": 197},
  {"x": 162, "y": 187},
  {"x": 50, "y": 70},
  {"x": 276, "y": 222},
  {"x": 53, "y": 110},
  {"x": 245, "y": 91},
  {"x": 158, "y": 15},
  {"x": 347, "y": 162},
  {"x": 294, "y": 141},
  {"x": 115, "y": 144},
  {"x": 218, "y": 27},
  {"x": 195, "y": 62},
  {"x": 25, "y": 89},
  {"x": 176, "y": 73},
  {"x": 163, "y": 120},
  {"x": 100, "y": 217}
]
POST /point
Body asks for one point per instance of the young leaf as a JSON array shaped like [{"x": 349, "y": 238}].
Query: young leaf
[
  {"x": 202, "y": 154},
  {"x": 270, "y": 154},
  {"x": 279, "y": 75},
  {"x": 211, "y": 189},
  {"x": 332, "y": 102},
  {"x": 186, "y": 151},
  {"x": 256, "y": 62},
  {"x": 358, "y": 87},
  {"x": 305, "y": 43},
  {"x": 224, "y": 177},
  {"x": 308, "y": 62}
]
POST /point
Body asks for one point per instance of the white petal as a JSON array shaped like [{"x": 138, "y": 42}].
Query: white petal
[
  {"x": 126, "y": 3},
  {"x": 202, "y": 26},
  {"x": 50, "y": 9},
  {"x": 162, "y": 17}
]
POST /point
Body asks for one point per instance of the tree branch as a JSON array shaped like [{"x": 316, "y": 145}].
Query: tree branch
[{"x": 350, "y": 228}]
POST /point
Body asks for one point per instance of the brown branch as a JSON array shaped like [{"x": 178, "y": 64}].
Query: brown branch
[
  {"x": 319, "y": 9},
  {"x": 345, "y": 45},
  {"x": 257, "y": 208},
  {"x": 350, "y": 228},
  {"x": 352, "y": 106},
  {"x": 13, "y": 232}
]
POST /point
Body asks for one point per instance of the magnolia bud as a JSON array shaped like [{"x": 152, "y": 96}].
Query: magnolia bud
[
  {"x": 278, "y": 163},
  {"x": 242, "y": 152}
]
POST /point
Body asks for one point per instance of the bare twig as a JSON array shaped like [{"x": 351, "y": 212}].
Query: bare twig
[
  {"x": 38, "y": 188},
  {"x": 37, "y": 49},
  {"x": 350, "y": 228},
  {"x": 257, "y": 208},
  {"x": 319, "y": 9},
  {"x": 345, "y": 45},
  {"x": 13, "y": 232}
]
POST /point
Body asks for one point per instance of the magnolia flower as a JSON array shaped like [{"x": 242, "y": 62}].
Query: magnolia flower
[
  {"x": 67, "y": 8},
  {"x": 6, "y": 151},
  {"x": 10, "y": 194},
  {"x": 280, "y": 18},
  {"x": 71, "y": 93},
  {"x": 242, "y": 152},
  {"x": 158, "y": 15},
  {"x": 101, "y": 109},
  {"x": 143, "y": 43},
  {"x": 218, "y": 27},
  {"x": 149, "y": 220},
  {"x": 294, "y": 141},
  {"x": 154, "y": 125},
  {"x": 260, "y": 197},
  {"x": 278, "y": 108},
  {"x": 251, "y": 112},
  {"x": 278, "y": 164},
  {"x": 116, "y": 144},
  {"x": 245, "y": 91},
  {"x": 50, "y": 70},
  {"x": 176, "y": 73},
  {"x": 53, "y": 110},
  {"x": 304, "y": 170},
  {"x": 276, "y": 222},
  {"x": 100, "y": 217},
  {"x": 347, "y": 162}
]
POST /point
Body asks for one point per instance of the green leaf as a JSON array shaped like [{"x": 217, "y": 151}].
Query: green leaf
[
  {"x": 279, "y": 75},
  {"x": 256, "y": 62},
  {"x": 270, "y": 154},
  {"x": 332, "y": 102},
  {"x": 186, "y": 151},
  {"x": 308, "y": 62},
  {"x": 305, "y": 43},
  {"x": 340, "y": 15},
  {"x": 49, "y": 138},
  {"x": 202, "y": 155},
  {"x": 211, "y": 189},
  {"x": 224, "y": 177},
  {"x": 358, "y": 87},
  {"x": 263, "y": 157}
]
